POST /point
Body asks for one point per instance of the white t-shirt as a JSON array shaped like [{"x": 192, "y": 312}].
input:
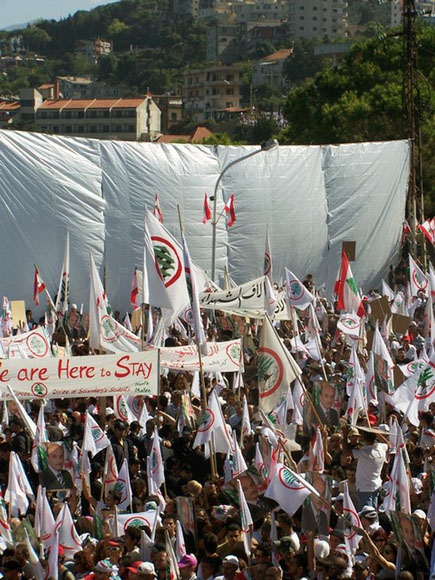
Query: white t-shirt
[{"x": 371, "y": 459}]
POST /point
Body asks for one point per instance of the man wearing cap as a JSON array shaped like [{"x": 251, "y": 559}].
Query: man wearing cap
[
  {"x": 369, "y": 519},
  {"x": 187, "y": 566},
  {"x": 142, "y": 571},
  {"x": 230, "y": 567},
  {"x": 105, "y": 570}
]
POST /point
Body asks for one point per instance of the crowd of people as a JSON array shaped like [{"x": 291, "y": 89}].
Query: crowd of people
[{"x": 316, "y": 542}]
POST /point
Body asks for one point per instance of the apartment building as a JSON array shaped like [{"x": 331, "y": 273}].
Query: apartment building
[
  {"x": 220, "y": 37},
  {"x": 126, "y": 119},
  {"x": 269, "y": 69},
  {"x": 171, "y": 107},
  {"x": 220, "y": 11},
  {"x": 425, "y": 10},
  {"x": 257, "y": 10},
  {"x": 211, "y": 92},
  {"x": 93, "y": 49},
  {"x": 318, "y": 18}
]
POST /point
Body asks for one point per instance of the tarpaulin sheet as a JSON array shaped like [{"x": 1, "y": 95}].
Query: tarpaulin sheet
[{"x": 312, "y": 197}]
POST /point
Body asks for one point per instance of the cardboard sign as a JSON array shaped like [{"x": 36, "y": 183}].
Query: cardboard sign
[
  {"x": 350, "y": 249},
  {"x": 400, "y": 323},
  {"x": 18, "y": 309},
  {"x": 380, "y": 309}
]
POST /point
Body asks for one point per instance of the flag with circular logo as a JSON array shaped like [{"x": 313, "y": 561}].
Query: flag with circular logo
[{"x": 298, "y": 295}]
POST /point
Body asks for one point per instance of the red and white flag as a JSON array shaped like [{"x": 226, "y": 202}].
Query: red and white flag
[
  {"x": 230, "y": 211},
  {"x": 351, "y": 518},
  {"x": 268, "y": 266},
  {"x": 19, "y": 489},
  {"x": 110, "y": 471},
  {"x": 316, "y": 454},
  {"x": 405, "y": 230},
  {"x": 180, "y": 544},
  {"x": 38, "y": 287},
  {"x": 155, "y": 460},
  {"x": 94, "y": 438},
  {"x": 52, "y": 564},
  {"x": 134, "y": 290},
  {"x": 212, "y": 424},
  {"x": 247, "y": 524},
  {"x": 286, "y": 488},
  {"x": 346, "y": 289},
  {"x": 206, "y": 216},
  {"x": 69, "y": 539},
  {"x": 123, "y": 486},
  {"x": 298, "y": 295},
  {"x": 245, "y": 427},
  {"x": 398, "y": 498},
  {"x": 157, "y": 210},
  {"x": 432, "y": 280},
  {"x": 427, "y": 229},
  {"x": 418, "y": 280}
]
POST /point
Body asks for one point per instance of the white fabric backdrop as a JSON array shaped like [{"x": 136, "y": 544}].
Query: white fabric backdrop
[{"x": 312, "y": 197}]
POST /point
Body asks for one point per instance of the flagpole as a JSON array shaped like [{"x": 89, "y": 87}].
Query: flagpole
[{"x": 266, "y": 146}]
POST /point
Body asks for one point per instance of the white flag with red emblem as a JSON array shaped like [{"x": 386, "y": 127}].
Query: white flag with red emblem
[
  {"x": 155, "y": 460},
  {"x": 428, "y": 230},
  {"x": 316, "y": 454},
  {"x": 351, "y": 518},
  {"x": 418, "y": 280},
  {"x": 299, "y": 297},
  {"x": 110, "y": 471},
  {"x": 164, "y": 267},
  {"x": 268, "y": 267},
  {"x": 123, "y": 486},
  {"x": 206, "y": 215},
  {"x": 19, "y": 489},
  {"x": 212, "y": 423},
  {"x": 247, "y": 524},
  {"x": 276, "y": 368},
  {"x": 52, "y": 564},
  {"x": 69, "y": 539},
  {"x": 191, "y": 280},
  {"x": 230, "y": 211},
  {"x": 38, "y": 286},
  {"x": 157, "y": 212}
]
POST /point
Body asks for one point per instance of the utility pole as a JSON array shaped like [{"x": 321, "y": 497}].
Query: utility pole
[{"x": 410, "y": 94}]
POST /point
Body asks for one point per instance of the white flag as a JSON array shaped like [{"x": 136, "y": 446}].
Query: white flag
[
  {"x": 5, "y": 528},
  {"x": 52, "y": 564},
  {"x": 164, "y": 267},
  {"x": 94, "y": 438},
  {"x": 180, "y": 544},
  {"x": 39, "y": 451},
  {"x": 69, "y": 539},
  {"x": 349, "y": 324},
  {"x": 123, "y": 486},
  {"x": 110, "y": 470},
  {"x": 44, "y": 519},
  {"x": 298, "y": 399},
  {"x": 62, "y": 299},
  {"x": 122, "y": 409},
  {"x": 28, "y": 421},
  {"x": 197, "y": 325},
  {"x": 238, "y": 459},
  {"x": 351, "y": 538},
  {"x": 212, "y": 421},
  {"x": 245, "y": 519},
  {"x": 268, "y": 266},
  {"x": 418, "y": 280},
  {"x": 36, "y": 569},
  {"x": 299, "y": 296},
  {"x": 245, "y": 427},
  {"x": 104, "y": 331},
  {"x": 371, "y": 392},
  {"x": 386, "y": 291},
  {"x": 383, "y": 364},
  {"x": 155, "y": 460},
  {"x": 398, "y": 498},
  {"x": 276, "y": 368},
  {"x": 285, "y": 488},
  {"x": 316, "y": 454},
  {"x": 19, "y": 488}
]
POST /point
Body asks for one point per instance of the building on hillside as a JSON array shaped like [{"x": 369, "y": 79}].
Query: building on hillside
[
  {"x": 171, "y": 107},
  {"x": 93, "y": 49},
  {"x": 9, "y": 109},
  {"x": 333, "y": 51},
  {"x": 86, "y": 88},
  {"x": 220, "y": 42},
  {"x": 425, "y": 10},
  {"x": 252, "y": 34},
  {"x": 269, "y": 70},
  {"x": 208, "y": 92},
  {"x": 197, "y": 136},
  {"x": 318, "y": 18},
  {"x": 258, "y": 10},
  {"x": 219, "y": 11},
  {"x": 126, "y": 119}
]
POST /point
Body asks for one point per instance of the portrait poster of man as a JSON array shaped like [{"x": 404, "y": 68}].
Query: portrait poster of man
[
  {"x": 55, "y": 477},
  {"x": 316, "y": 512},
  {"x": 408, "y": 534},
  {"x": 325, "y": 397},
  {"x": 186, "y": 513},
  {"x": 382, "y": 374}
]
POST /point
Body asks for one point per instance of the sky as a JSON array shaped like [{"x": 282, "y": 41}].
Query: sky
[{"x": 22, "y": 11}]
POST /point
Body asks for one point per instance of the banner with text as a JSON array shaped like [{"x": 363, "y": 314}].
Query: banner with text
[
  {"x": 130, "y": 374},
  {"x": 221, "y": 356}
]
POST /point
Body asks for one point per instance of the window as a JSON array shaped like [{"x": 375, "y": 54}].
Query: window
[
  {"x": 230, "y": 91},
  {"x": 68, "y": 129},
  {"x": 173, "y": 116},
  {"x": 93, "y": 129},
  {"x": 80, "y": 129}
]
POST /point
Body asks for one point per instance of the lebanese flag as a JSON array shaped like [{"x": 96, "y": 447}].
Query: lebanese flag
[
  {"x": 38, "y": 286},
  {"x": 230, "y": 211},
  {"x": 405, "y": 230},
  {"x": 206, "y": 216},
  {"x": 348, "y": 295},
  {"x": 427, "y": 229},
  {"x": 157, "y": 210},
  {"x": 134, "y": 290}
]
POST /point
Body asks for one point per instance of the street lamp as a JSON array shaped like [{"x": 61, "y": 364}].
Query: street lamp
[{"x": 266, "y": 146}]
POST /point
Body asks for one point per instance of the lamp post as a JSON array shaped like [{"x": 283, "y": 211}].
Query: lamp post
[{"x": 266, "y": 146}]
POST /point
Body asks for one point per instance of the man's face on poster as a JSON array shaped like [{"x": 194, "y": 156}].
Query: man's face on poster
[
  {"x": 327, "y": 396},
  {"x": 55, "y": 457}
]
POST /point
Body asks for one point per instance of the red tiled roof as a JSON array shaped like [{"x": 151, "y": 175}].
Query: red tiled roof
[
  {"x": 173, "y": 138},
  {"x": 91, "y": 103},
  {"x": 9, "y": 106},
  {"x": 200, "y": 133},
  {"x": 278, "y": 55},
  {"x": 46, "y": 86}
]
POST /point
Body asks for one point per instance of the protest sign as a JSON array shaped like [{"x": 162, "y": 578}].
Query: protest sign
[
  {"x": 221, "y": 356},
  {"x": 128, "y": 373}
]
